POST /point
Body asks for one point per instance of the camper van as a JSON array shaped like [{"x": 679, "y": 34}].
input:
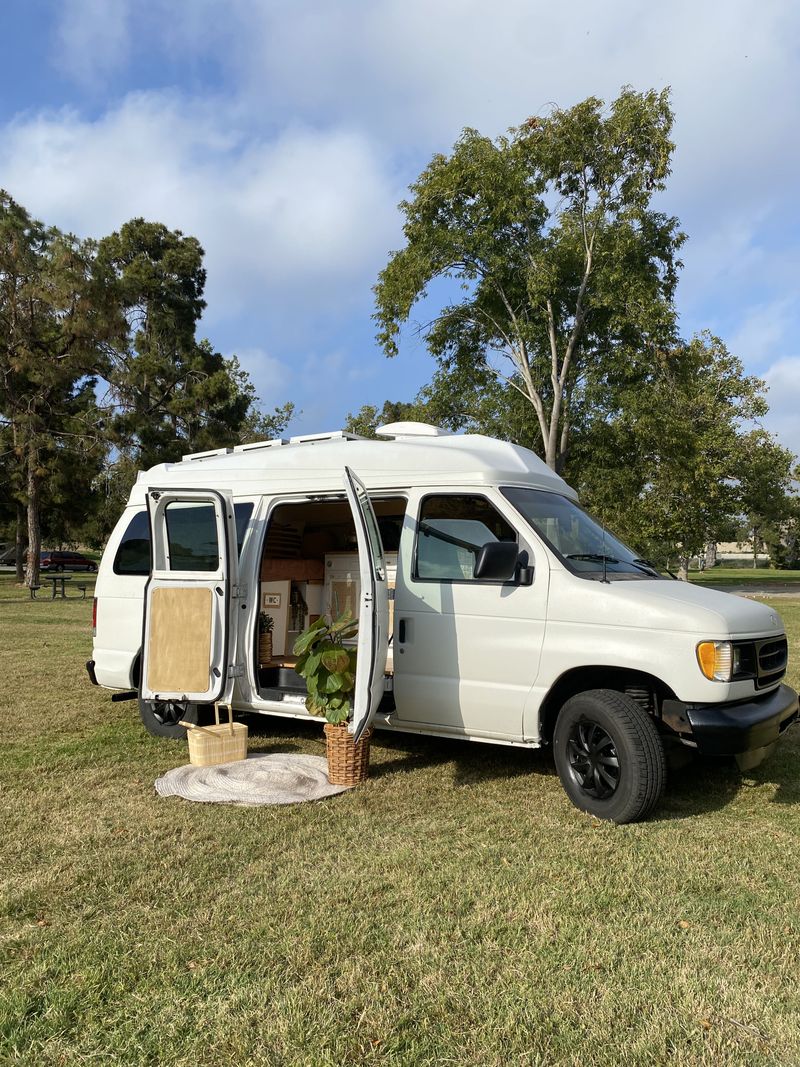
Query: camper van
[{"x": 491, "y": 608}]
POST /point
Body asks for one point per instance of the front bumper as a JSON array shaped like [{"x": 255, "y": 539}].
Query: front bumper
[{"x": 747, "y": 729}]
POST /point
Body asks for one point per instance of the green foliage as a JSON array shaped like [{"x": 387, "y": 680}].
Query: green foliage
[
  {"x": 124, "y": 312},
  {"x": 328, "y": 667},
  {"x": 266, "y": 623},
  {"x": 559, "y": 259},
  {"x": 57, "y": 321},
  {"x": 669, "y": 457}
]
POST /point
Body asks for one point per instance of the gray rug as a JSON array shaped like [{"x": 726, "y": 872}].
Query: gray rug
[{"x": 280, "y": 778}]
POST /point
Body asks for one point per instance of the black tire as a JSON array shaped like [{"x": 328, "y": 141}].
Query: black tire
[
  {"x": 59, "y": 568},
  {"x": 160, "y": 718},
  {"x": 92, "y": 568},
  {"x": 609, "y": 756}
]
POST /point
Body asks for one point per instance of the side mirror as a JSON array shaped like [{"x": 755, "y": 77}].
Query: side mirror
[{"x": 497, "y": 561}]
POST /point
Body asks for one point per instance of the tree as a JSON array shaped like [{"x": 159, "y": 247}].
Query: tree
[
  {"x": 767, "y": 505},
  {"x": 562, "y": 265},
  {"x": 169, "y": 394},
  {"x": 55, "y": 322},
  {"x": 671, "y": 460}
]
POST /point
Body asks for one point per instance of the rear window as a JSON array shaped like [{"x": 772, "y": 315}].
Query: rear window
[{"x": 133, "y": 554}]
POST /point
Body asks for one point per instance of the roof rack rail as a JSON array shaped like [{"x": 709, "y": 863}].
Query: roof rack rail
[
  {"x": 332, "y": 435},
  {"x": 206, "y": 455},
  {"x": 276, "y": 442}
]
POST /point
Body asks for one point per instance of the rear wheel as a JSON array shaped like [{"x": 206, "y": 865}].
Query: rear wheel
[
  {"x": 609, "y": 756},
  {"x": 161, "y": 717}
]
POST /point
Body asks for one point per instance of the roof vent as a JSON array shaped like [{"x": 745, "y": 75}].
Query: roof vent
[{"x": 403, "y": 430}]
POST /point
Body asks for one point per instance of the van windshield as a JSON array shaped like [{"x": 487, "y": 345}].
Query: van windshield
[{"x": 579, "y": 540}]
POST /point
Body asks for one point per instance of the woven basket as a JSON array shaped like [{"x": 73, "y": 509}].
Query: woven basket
[
  {"x": 264, "y": 648},
  {"x": 348, "y": 763},
  {"x": 222, "y": 743}
]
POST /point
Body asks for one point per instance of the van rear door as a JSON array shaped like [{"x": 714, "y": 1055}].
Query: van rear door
[
  {"x": 189, "y": 641},
  {"x": 373, "y": 614}
]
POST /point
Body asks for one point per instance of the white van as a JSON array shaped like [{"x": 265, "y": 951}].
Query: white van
[{"x": 492, "y": 608}]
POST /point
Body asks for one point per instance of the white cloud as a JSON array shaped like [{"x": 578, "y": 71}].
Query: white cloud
[
  {"x": 304, "y": 217},
  {"x": 783, "y": 379},
  {"x": 273, "y": 379},
  {"x": 764, "y": 330},
  {"x": 92, "y": 39}
]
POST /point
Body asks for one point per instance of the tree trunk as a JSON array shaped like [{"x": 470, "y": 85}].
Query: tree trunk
[
  {"x": 683, "y": 568},
  {"x": 19, "y": 542},
  {"x": 711, "y": 555},
  {"x": 34, "y": 528},
  {"x": 756, "y": 542}
]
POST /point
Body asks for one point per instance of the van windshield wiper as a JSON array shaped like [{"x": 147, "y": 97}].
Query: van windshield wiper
[
  {"x": 594, "y": 557},
  {"x": 597, "y": 557}
]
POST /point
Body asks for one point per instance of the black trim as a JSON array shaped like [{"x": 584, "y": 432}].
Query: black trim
[
  {"x": 90, "y": 672},
  {"x": 730, "y": 729}
]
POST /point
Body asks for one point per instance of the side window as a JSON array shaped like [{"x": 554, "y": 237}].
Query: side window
[
  {"x": 192, "y": 537},
  {"x": 451, "y": 532},
  {"x": 133, "y": 554}
]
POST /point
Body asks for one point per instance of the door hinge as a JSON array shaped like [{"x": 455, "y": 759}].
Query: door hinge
[
  {"x": 238, "y": 591},
  {"x": 236, "y": 670}
]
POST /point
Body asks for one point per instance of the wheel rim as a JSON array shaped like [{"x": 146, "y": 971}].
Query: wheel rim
[
  {"x": 593, "y": 759},
  {"x": 167, "y": 712}
]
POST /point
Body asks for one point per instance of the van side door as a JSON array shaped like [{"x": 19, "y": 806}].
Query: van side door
[
  {"x": 373, "y": 614},
  {"x": 189, "y": 642},
  {"x": 466, "y": 650}
]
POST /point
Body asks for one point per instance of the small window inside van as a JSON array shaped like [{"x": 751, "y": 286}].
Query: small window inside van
[
  {"x": 133, "y": 554},
  {"x": 451, "y": 532}
]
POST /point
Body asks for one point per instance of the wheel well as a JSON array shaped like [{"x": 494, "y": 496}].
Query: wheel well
[
  {"x": 647, "y": 690},
  {"x": 136, "y": 670}
]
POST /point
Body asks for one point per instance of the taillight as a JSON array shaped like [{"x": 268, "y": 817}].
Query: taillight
[{"x": 94, "y": 616}]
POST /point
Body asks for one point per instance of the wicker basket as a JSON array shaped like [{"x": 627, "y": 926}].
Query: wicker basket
[
  {"x": 222, "y": 743},
  {"x": 264, "y": 648},
  {"x": 348, "y": 763}
]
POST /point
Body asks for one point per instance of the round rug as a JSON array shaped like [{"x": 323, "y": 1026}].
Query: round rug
[{"x": 279, "y": 778}]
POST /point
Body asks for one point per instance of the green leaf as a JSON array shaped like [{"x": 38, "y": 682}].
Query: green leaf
[
  {"x": 333, "y": 683},
  {"x": 336, "y": 659},
  {"x": 336, "y": 715},
  {"x": 344, "y": 624}
]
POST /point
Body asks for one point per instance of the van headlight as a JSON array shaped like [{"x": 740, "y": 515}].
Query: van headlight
[{"x": 717, "y": 660}]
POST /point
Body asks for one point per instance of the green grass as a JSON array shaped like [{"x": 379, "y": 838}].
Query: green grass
[
  {"x": 745, "y": 576},
  {"x": 453, "y": 910}
]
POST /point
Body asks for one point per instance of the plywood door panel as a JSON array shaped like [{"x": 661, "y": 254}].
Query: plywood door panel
[{"x": 179, "y": 647}]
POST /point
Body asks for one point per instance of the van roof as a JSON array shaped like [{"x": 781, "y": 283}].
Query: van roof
[{"x": 415, "y": 455}]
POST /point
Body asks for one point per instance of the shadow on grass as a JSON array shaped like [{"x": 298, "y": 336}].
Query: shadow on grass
[
  {"x": 700, "y": 786},
  {"x": 394, "y": 753}
]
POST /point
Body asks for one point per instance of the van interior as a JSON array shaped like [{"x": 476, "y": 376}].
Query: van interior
[{"x": 309, "y": 567}]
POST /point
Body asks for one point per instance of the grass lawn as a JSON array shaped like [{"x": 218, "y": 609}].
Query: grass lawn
[
  {"x": 455, "y": 910},
  {"x": 744, "y": 576}
]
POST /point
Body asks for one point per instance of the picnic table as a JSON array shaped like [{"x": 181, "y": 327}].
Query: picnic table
[{"x": 58, "y": 579}]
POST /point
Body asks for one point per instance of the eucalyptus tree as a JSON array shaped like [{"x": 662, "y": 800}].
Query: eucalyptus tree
[{"x": 557, "y": 261}]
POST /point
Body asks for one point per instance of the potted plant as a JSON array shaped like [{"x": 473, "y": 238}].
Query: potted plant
[
  {"x": 329, "y": 670},
  {"x": 266, "y": 624}
]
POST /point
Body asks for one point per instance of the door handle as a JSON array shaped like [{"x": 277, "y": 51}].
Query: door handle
[{"x": 401, "y": 631}]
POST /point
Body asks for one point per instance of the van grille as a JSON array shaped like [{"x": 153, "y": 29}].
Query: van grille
[{"x": 772, "y": 657}]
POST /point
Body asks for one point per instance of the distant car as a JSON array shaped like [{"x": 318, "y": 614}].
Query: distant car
[{"x": 65, "y": 561}]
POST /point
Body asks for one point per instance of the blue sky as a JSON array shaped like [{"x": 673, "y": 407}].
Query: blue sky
[{"x": 283, "y": 134}]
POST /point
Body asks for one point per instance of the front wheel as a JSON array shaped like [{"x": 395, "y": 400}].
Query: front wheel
[
  {"x": 609, "y": 756},
  {"x": 161, "y": 717}
]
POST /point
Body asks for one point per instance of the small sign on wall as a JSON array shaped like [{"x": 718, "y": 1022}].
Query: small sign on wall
[{"x": 272, "y": 600}]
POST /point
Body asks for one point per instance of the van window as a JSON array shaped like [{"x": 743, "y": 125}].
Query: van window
[
  {"x": 192, "y": 537},
  {"x": 451, "y": 532},
  {"x": 133, "y": 554}
]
